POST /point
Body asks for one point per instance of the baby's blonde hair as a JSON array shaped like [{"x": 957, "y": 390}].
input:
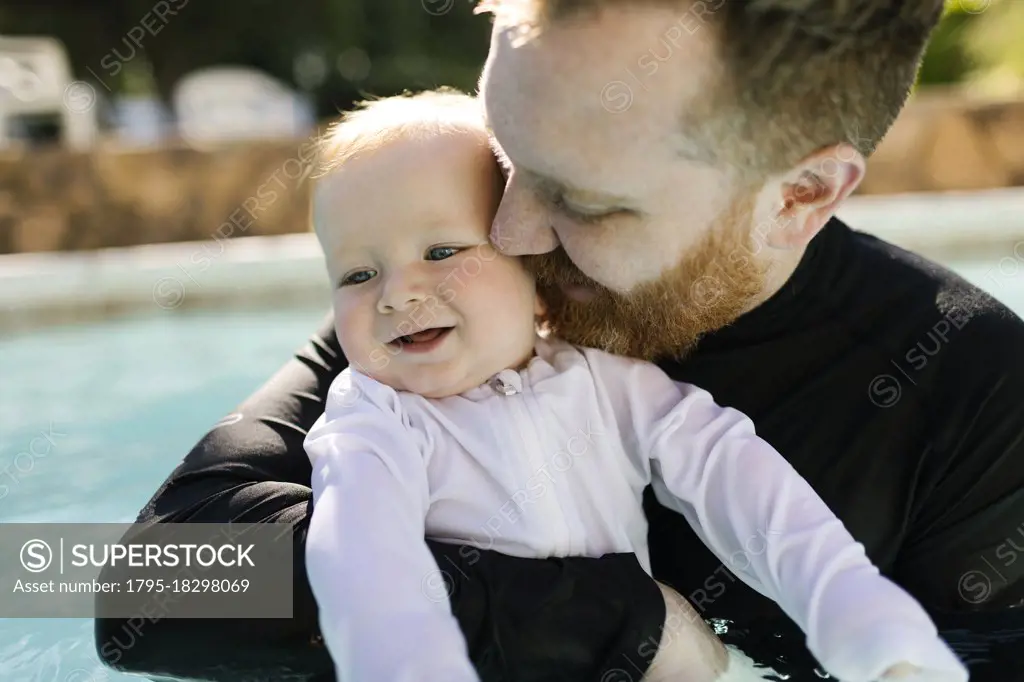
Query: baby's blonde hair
[{"x": 376, "y": 122}]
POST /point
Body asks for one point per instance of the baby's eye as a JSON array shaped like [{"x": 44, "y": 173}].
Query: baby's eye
[
  {"x": 441, "y": 252},
  {"x": 358, "y": 277}
]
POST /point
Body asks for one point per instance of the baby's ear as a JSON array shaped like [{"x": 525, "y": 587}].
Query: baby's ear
[{"x": 539, "y": 309}]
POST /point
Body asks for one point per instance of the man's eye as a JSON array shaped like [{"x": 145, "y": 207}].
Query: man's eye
[
  {"x": 576, "y": 214},
  {"x": 441, "y": 252},
  {"x": 358, "y": 277}
]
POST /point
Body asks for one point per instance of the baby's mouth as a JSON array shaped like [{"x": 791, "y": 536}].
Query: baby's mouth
[{"x": 424, "y": 336}]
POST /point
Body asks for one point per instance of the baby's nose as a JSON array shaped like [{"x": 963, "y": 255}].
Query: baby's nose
[{"x": 402, "y": 294}]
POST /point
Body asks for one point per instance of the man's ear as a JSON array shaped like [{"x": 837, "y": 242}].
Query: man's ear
[{"x": 811, "y": 193}]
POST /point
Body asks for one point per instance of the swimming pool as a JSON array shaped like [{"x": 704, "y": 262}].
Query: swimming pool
[{"x": 122, "y": 401}]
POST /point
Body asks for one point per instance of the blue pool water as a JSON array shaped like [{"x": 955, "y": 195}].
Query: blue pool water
[{"x": 122, "y": 401}]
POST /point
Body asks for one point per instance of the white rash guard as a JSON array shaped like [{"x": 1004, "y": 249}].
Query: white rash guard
[{"x": 552, "y": 460}]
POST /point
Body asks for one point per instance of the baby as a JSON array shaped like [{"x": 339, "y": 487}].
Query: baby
[{"x": 457, "y": 420}]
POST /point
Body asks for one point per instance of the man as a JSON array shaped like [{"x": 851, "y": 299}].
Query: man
[{"x": 673, "y": 169}]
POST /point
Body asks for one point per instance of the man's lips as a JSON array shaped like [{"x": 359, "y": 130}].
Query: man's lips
[{"x": 580, "y": 293}]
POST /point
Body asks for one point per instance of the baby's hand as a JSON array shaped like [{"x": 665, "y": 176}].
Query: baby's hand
[
  {"x": 900, "y": 671},
  {"x": 906, "y": 672},
  {"x": 689, "y": 650}
]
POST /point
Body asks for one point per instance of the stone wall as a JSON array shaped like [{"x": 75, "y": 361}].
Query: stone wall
[
  {"x": 944, "y": 141},
  {"x": 53, "y": 200}
]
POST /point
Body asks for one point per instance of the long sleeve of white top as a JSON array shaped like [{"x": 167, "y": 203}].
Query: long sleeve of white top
[
  {"x": 383, "y": 605},
  {"x": 769, "y": 527}
]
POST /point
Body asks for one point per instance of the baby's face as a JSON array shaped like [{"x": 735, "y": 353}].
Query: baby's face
[{"x": 422, "y": 301}]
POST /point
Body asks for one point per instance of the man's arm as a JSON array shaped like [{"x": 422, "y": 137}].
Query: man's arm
[
  {"x": 250, "y": 468},
  {"x": 573, "y": 617}
]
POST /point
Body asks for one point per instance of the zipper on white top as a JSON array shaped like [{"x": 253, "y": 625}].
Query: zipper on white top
[
  {"x": 509, "y": 383},
  {"x": 567, "y": 543}
]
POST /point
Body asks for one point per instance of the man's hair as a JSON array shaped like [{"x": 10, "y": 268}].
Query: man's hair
[
  {"x": 372, "y": 123},
  {"x": 801, "y": 74}
]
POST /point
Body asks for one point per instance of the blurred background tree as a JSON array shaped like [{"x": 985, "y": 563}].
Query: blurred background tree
[
  {"x": 337, "y": 51},
  {"x": 334, "y": 50},
  {"x": 980, "y": 45}
]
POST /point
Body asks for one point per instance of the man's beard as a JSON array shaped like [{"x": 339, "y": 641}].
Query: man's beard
[{"x": 709, "y": 288}]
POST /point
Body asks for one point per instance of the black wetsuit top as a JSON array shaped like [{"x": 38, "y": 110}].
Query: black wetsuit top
[{"x": 895, "y": 387}]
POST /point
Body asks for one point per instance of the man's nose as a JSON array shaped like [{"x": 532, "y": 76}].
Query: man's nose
[
  {"x": 522, "y": 224},
  {"x": 402, "y": 292}
]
